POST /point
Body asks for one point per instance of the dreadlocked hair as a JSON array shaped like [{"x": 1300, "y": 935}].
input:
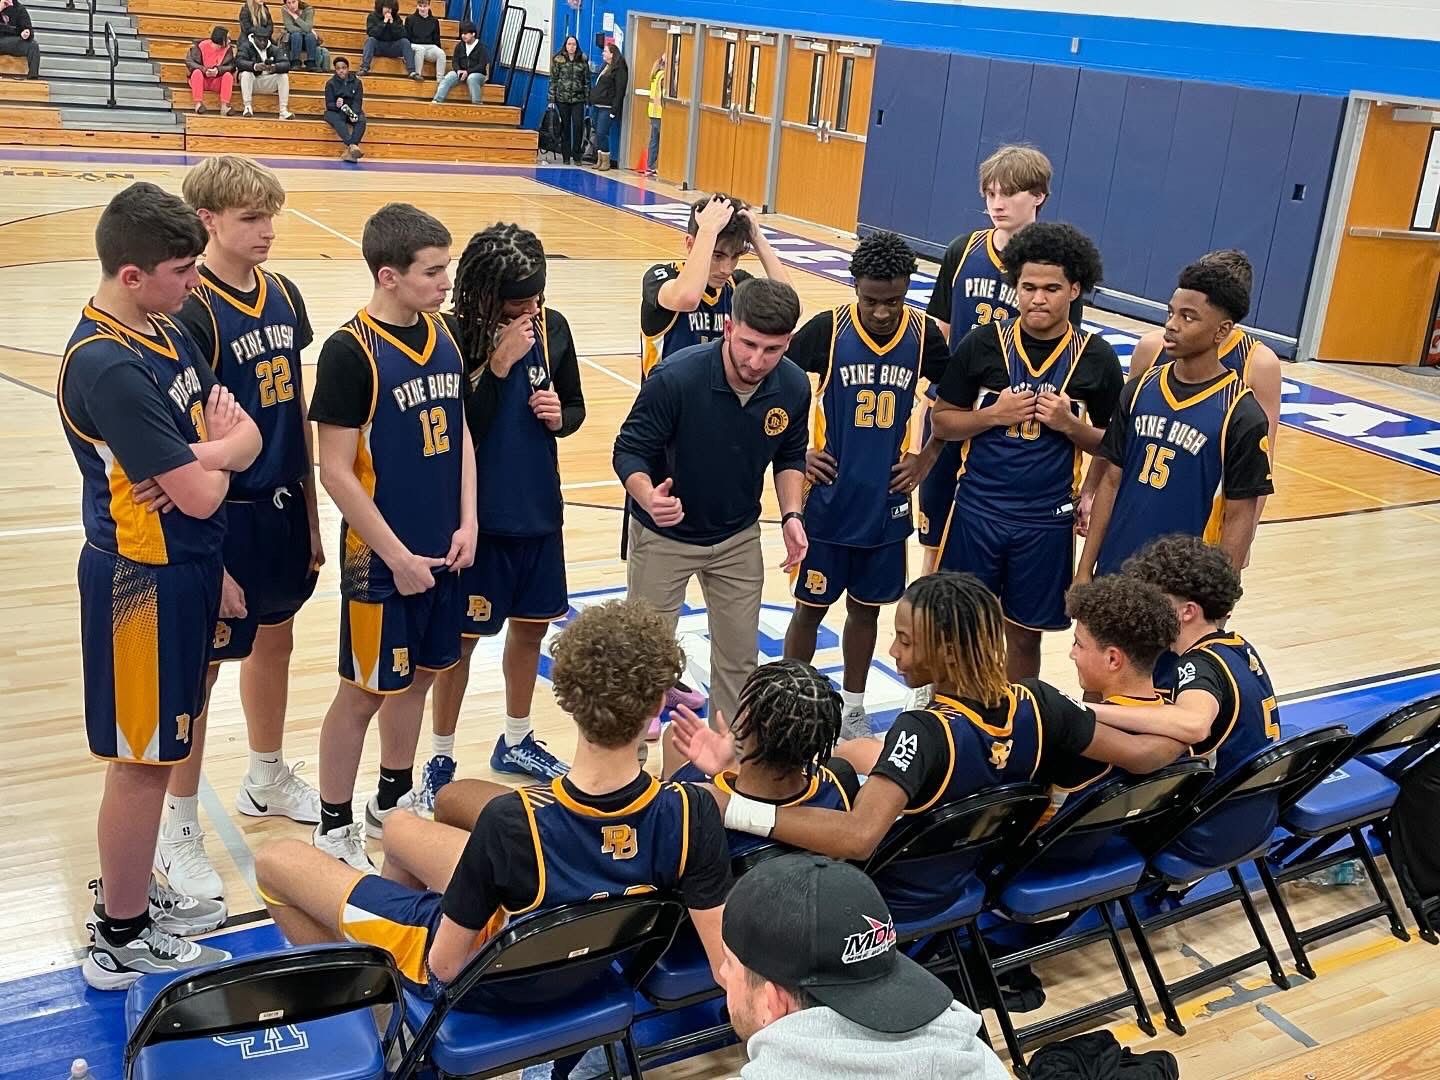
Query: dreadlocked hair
[
  {"x": 883, "y": 256},
  {"x": 494, "y": 255},
  {"x": 789, "y": 717},
  {"x": 959, "y": 626}
]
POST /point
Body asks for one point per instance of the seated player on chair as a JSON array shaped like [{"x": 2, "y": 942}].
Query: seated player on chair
[{"x": 604, "y": 829}]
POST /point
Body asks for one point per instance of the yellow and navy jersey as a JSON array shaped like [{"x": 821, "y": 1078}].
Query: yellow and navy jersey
[
  {"x": 255, "y": 344},
  {"x": 132, "y": 405},
  {"x": 862, "y": 418},
  {"x": 411, "y": 425},
  {"x": 1025, "y": 472},
  {"x": 664, "y": 331},
  {"x": 517, "y": 464},
  {"x": 979, "y": 293},
  {"x": 1226, "y": 666},
  {"x": 1073, "y": 775},
  {"x": 1182, "y": 450},
  {"x": 831, "y": 787},
  {"x": 1238, "y": 352}
]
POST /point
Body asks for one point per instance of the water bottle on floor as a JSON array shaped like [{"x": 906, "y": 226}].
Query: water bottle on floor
[{"x": 1345, "y": 873}]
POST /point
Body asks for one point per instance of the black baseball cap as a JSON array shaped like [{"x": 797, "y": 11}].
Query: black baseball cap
[{"x": 813, "y": 924}]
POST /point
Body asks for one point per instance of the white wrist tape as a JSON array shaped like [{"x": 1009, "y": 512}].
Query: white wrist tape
[{"x": 749, "y": 816}]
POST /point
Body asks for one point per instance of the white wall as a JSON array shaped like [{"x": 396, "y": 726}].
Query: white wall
[{"x": 1419, "y": 19}]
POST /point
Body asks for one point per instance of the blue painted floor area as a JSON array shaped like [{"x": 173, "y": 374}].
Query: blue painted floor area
[{"x": 48, "y": 1020}]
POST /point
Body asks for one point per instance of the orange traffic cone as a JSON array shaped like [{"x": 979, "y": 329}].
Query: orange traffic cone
[{"x": 644, "y": 164}]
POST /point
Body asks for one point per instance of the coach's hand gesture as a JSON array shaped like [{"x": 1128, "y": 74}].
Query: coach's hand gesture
[
  {"x": 1013, "y": 407},
  {"x": 665, "y": 509},
  {"x": 820, "y": 467},
  {"x": 1055, "y": 412},
  {"x": 512, "y": 342}
]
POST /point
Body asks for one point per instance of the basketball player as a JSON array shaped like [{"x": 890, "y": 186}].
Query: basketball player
[
  {"x": 981, "y": 731},
  {"x": 251, "y": 326},
  {"x": 605, "y": 829},
  {"x": 139, "y": 404},
  {"x": 1242, "y": 352},
  {"x": 860, "y": 471},
  {"x": 524, "y": 395},
  {"x": 1189, "y": 449},
  {"x": 1023, "y": 398},
  {"x": 688, "y": 303},
  {"x": 396, "y": 456},
  {"x": 972, "y": 290}
]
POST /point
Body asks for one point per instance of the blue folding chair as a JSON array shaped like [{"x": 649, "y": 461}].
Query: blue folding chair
[
  {"x": 1359, "y": 792},
  {"x": 550, "y": 985},
  {"x": 301, "y": 1014},
  {"x": 1080, "y": 861},
  {"x": 1229, "y": 824}
]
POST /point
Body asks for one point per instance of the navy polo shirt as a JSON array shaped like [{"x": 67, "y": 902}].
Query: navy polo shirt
[{"x": 688, "y": 424}]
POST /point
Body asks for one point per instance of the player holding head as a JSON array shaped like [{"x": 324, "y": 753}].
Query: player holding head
[
  {"x": 396, "y": 456},
  {"x": 251, "y": 326},
  {"x": 860, "y": 471},
  {"x": 1189, "y": 450},
  {"x": 524, "y": 395},
  {"x": 156, "y": 440},
  {"x": 689, "y": 303},
  {"x": 972, "y": 290},
  {"x": 607, "y": 828},
  {"x": 1024, "y": 398}
]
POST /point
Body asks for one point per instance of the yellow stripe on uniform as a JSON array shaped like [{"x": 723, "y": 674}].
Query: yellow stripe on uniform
[
  {"x": 405, "y": 943},
  {"x": 135, "y": 641},
  {"x": 138, "y": 532},
  {"x": 365, "y": 622}
]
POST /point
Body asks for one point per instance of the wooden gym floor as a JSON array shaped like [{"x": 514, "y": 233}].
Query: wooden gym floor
[{"x": 1341, "y": 589}]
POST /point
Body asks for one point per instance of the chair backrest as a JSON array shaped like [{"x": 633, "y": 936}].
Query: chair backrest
[
  {"x": 969, "y": 826},
  {"x": 293, "y": 987},
  {"x": 1412, "y": 726},
  {"x": 745, "y": 861}
]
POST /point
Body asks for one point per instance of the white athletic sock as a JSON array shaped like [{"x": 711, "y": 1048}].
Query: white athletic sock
[
  {"x": 444, "y": 746},
  {"x": 516, "y": 728},
  {"x": 180, "y": 813},
  {"x": 266, "y": 768},
  {"x": 854, "y": 699}
]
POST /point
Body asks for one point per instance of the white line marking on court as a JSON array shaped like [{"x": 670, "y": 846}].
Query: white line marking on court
[
  {"x": 40, "y": 530},
  {"x": 579, "y": 484},
  {"x": 613, "y": 374},
  {"x": 321, "y": 225}
]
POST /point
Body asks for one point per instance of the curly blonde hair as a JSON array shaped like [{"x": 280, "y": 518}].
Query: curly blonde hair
[{"x": 611, "y": 667}]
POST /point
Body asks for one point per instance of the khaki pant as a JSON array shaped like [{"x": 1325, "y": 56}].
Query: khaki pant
[
  {"x": 266, "y": 84},
  {"x": 731, "y": 573}
]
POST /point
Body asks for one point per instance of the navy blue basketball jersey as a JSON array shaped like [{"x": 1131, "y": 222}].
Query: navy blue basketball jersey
[
  {"x": 862, "y": 417},
  {"x": 517, "y": 477},
  {"x": 408, "y": 455},
  {"x": 590, "y": 854},
  {"x": 824, "y": 792},
  {"x": 686, "y": 328},
  {"x": 1072, "y": 776},
  {"x": 987, "y": 746},
  {"x": 979, "y": 293},
  {"x": 1025, "y": 472},
  {"x": 1171, "y": 480},
  {"x": 114, "y": 521},
  {"x": 1238, "y": 351},
  {"x": 1253, "y": 721},
  {"x": 257, "y": 358}
]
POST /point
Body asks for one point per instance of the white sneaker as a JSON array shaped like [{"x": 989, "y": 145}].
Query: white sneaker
[
  {"x": 172, "y": 912},
  {"x": 347, "y": 845},
  {"x": 182, "y": 859},
  {"x": 288, "y": 796},
  {"x": 375, "y": 817},
  {"x": 286, "y": 115},
  {"x": 114, "y": 967},
  {"x": 855, "y": 723},
  {"x": 248, "y": 111}
]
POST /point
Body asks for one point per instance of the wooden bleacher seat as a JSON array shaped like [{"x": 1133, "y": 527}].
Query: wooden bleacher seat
[
  {"x": 24, "y": 90},
  {"x": 39, "y": 125},
  {"x": 388, "y": 141},
  {"x": 223, "y": 13}
]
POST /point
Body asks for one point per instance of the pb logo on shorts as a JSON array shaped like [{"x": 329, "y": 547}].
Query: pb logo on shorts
[
  {"x": 776, "y": 421},
  {"x": 222, "y": 636},
  {"x": 815, "y": 582},
  {"x": 478, "y": 609},
  {"x": 182, "y": 727},
  {"x": 401, "y": 664},
  {"x": 619, "y": 842}
]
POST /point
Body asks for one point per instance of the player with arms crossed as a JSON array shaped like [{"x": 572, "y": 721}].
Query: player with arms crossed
[
  {"x": 1189, "y": 449},
  {"x": 860, "y": 471},
  {"x": 146, "y": 422},
  {"x": 396, "y": 456},
  {"x": 1023, "y": 398}
]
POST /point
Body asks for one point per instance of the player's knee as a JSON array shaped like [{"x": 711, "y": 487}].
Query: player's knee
[
  {"x": 274, "y": 642},
  {"x": 809, "y": 615},
  {"x": 453, "y": 805},
  {"x": 866, "y": 614},
  {"x": 399, "y": 829},
  {"x": 528, "y": 633},
  {"x": 275, "y": 863}
]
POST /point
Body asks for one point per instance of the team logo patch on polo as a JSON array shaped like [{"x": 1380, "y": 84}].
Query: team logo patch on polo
[{"x": 776, "y": 421}]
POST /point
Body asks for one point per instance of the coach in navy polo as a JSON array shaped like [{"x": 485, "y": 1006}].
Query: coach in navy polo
[{"x": 692, "y": 455}]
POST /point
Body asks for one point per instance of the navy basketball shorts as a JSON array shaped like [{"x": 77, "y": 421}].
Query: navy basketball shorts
[
  {"x": 514, "y": 577},
  {"x": 870, "y": 575},
  {"x": 267, "y": 552},
  {"x": 145, "y": 634},
  {"x": 383, "y": 642},
  {"x": 937, "y": 492},
  {"x": 1028, "y": 567}
]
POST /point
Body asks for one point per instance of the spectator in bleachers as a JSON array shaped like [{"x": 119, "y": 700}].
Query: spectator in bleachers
[
  {"x": 470, "y": 64},
  {"x": 345, "y": 109},
  {"x": 264, "y": 66},
  {"x": 299, "y": 20},
  {"x": 423, "y": 30},
  {"x": 569, "y": 90},
  {"x": 212, "y": 67},
  {"x": 255, "y": 18},
  {"x": 385, "y": 36},
  {"x": 17, "y": 36},
  {"x": 608, "y": 101}
]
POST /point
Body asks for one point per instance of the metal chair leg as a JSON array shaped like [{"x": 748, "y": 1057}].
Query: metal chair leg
[
  {"x": 1142, "y": 1011},
  {"x": 1272, "y": 958},
  {"x": 1362, "y": 849},
  {"x": 1287, "y": 924},
  {"x": 967, "y": 985},
  {"x": 632, "y": 1059},
  {"x": 1152, "y": 966},
  {"x": 1002, "y": 1014},
  {"x": 612, "y": 1061}
]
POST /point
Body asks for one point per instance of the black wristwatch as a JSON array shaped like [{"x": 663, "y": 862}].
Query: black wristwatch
[{"x": 796, "y": 514}]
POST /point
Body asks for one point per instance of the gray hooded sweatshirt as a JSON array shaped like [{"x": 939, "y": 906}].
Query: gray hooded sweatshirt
[{"x": 819, "y": 1042}]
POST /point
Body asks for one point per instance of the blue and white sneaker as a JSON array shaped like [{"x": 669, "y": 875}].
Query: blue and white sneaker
[
  {"x": 528, "y": 757},
  {"x": 439, "y": 771}
]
